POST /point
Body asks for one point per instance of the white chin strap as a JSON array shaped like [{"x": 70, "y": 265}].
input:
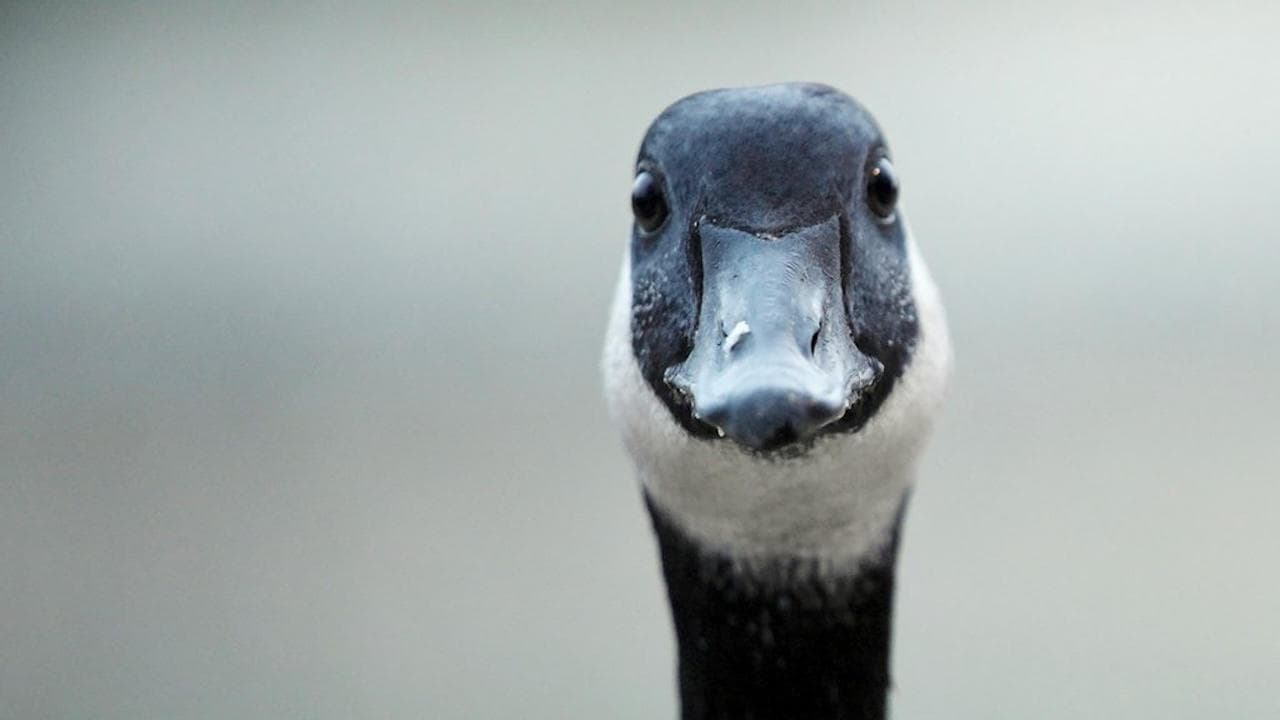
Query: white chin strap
[{"x": 836, "y": 502}]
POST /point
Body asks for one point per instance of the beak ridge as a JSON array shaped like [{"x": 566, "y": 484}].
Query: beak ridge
[{"x": 773, "y": 359}]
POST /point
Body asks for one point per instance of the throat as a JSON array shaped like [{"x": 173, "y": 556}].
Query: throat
[{"x": 783, "y": 637}]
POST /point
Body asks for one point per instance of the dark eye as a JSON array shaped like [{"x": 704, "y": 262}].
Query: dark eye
[
  {"x": 882, "y": 188},
  {"x": 648, "y": 202}
]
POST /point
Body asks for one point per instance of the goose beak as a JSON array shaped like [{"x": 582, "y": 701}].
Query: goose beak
[{"x": 774, "y": 359}]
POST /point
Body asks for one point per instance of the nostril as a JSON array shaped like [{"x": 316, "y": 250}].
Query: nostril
[{"x": 813, "y": 342}]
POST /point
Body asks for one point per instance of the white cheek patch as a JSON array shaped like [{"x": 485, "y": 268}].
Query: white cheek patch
[{"x": 835, "y": 503}]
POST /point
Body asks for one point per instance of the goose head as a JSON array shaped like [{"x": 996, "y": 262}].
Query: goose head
[{"x": 777, "y": 349}]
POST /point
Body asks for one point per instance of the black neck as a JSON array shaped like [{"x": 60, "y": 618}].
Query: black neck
[{"x": 781, "y": 640}]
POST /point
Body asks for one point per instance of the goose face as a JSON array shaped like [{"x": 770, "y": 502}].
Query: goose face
[
  {"x": 769, "y": 273},
  {"x": 777, "y": 349}
]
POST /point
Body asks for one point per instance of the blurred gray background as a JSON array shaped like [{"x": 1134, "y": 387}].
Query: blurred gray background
[{"x": 300, "y": 311}]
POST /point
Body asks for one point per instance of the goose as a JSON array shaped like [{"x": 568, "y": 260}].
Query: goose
[{"x": 775, "y": 355}]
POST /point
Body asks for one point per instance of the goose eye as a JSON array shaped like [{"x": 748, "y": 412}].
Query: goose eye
[
  {"x": 648, "y": 202},
  {"x": 882, "y": 189}
]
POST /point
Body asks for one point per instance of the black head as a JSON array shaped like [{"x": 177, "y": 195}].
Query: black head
[{"x": 771, "y": 289}]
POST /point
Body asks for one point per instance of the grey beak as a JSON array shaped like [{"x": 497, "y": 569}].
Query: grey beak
[{"x": 773, "y": 359}]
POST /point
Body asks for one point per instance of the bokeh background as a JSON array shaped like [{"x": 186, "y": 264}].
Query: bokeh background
[{"x": 301, "y": 306}]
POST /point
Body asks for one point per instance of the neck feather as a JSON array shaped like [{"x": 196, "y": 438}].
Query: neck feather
[{"x": 783, "y": 637}]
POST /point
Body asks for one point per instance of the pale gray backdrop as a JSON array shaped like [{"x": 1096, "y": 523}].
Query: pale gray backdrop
[{"x": 300, "y": 310}]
